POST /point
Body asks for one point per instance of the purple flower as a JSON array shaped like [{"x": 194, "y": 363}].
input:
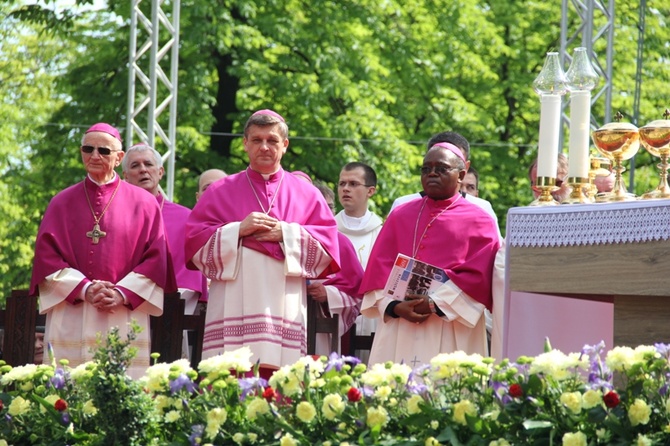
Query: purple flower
[
  {"x": 417, "y": 388},
  {"x": 182, "y": 382},
  {"x": 497, "y": 387},
  {"x": 336, "y": 361},
  {"x": 65, "y": 418},
  {"x": 663, "y": 350},
  {"x": 593, "y": 350},
  {"x": 196, "y": 436},
  {"x": 58, "y": 380},
  {"x": 250, "y": 385}
]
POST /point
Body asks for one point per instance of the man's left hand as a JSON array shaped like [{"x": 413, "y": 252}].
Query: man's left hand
[
  {"x": 317, "y": 291},
  {"x": 422, "y": 307}
]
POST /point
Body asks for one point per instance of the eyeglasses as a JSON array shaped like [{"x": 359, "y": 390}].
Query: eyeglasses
[
  {"x": 105, "y": 151},
  {"x": 351, "y": 184},
  {"x": 440, "y": 170}
]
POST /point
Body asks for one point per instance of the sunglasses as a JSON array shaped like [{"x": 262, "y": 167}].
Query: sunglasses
[{"x": 101, "y": 150}]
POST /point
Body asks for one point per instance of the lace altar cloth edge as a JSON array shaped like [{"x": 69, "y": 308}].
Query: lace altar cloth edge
[{"x": 589, "y": 224}]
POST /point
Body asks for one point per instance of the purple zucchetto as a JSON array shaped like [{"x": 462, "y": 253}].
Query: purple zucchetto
[
  {"x": 105, "y": 128},
  {"x": 269, "y": 112},
  {"x": 452, "y": 148}
]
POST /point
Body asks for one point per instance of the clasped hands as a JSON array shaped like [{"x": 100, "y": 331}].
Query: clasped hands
[
  {"x": 414, "y": 308},
  {"x": 102, "y": 295},
  {"x": 262, "y": 227}
]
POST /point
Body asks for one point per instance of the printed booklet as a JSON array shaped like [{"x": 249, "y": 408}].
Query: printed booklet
[{"x": 411, "y": 276}]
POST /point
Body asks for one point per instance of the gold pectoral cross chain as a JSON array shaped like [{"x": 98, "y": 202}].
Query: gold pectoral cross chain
[{"x": 96, "y": 234}]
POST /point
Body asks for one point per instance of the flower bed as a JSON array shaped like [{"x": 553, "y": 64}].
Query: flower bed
[{"x": 553, "y": 398}]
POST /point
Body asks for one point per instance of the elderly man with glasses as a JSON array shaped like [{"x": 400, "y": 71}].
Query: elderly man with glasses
[{"x": 100, "y": 257}]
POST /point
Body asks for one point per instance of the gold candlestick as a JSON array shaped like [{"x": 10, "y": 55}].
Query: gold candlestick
[
  {"x": 577, "y": 195},
  {"x": 547, "y": 185}
]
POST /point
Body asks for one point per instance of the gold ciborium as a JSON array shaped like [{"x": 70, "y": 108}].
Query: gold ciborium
[
  {"x": 618, "y": 141},
  {"x": 655, "y": 137}
]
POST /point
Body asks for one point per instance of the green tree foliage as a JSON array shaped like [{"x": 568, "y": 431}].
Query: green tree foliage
[
  {"x": 29, "y": 62},
  {"x": 356, "y": 80}
]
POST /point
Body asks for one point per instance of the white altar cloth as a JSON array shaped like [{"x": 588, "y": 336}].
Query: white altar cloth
[{"x": 570, "y": 323}]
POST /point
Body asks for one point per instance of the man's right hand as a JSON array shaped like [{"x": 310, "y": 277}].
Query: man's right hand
[
  {"x": 256, "y": 222},
  {"x": 96, "y": 291}
]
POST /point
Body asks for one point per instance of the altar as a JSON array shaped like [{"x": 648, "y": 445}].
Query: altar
[{"x": 579, "y": 274}]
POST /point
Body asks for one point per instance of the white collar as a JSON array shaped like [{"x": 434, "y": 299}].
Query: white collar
[{"x": 356, "y": 222}]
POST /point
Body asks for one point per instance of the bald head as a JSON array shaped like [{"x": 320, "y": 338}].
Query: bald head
[{"x": 206, "y": 179}]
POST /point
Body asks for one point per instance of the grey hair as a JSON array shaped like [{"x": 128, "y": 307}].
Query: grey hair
[{"x": 141, "y": 147}]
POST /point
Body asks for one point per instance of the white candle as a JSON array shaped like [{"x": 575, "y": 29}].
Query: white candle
[
  {"x": 550, "y": 124},
  {"x": 580, "y": 119}
]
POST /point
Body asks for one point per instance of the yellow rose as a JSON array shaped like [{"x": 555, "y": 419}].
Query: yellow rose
[
  {"x": 256, "y": 407},
  {"x": 332, "y": 406},
  {"x": 305, "y": 411},
  {"x": 383, "y": 393},
  {"x": 18, "y": 406},
  {"x": 574, "y": 439},
  {"x": 218, "y": 415},
  {"x": 413, "y": 404},
  {"x": 462, "y": 408},
  {"x": 89, "y": 408},
  {"x": 172, "y": 416},
  {"x": 638, "y": 412},
  {"x": 620, "y": 358},
  {"x": 212, "y": 430},
  {"x": 292, "y": 386},
  {"x": 377, "y": 416},
  {"x": 287, "y": 440},
  {"x": 573, "y": 401},
  {"x": 215, "y": 418},
  {"x": 642, "y": 440},
  {"x": 161, "y": 402},
  {"x": 591, "y": 399}
]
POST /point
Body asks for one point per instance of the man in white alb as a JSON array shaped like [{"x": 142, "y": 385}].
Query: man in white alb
[{"x": 357, "y": 184}]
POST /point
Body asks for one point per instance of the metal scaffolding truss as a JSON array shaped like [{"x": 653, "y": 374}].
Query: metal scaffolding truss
[
  {"x": 595, "y": 21},
  {"x": 154, "y": 45}
]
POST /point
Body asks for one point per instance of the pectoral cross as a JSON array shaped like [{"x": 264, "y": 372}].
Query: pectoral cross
[{"x": 96, "y": 234}]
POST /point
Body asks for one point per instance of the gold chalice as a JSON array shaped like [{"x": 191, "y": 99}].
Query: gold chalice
[
  {"x": 655, "y": 137},
  {"x": 618, "y": 141}
]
